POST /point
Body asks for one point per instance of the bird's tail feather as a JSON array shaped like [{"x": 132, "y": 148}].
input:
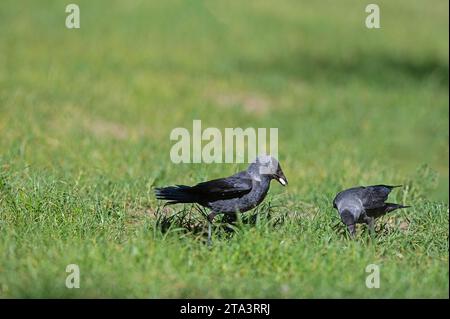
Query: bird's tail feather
[
  {"x": 391, "y": 207},
  {"x": 175, "y": 194},
  {"x": 389, "y": 186}
]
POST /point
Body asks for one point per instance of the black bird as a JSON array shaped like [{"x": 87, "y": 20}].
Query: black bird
[
  {"x": 237, "y": 193},
  {"x": 364, "y": 204}
]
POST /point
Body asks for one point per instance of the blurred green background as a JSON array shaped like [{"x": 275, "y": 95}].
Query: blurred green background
[
  {"x": 85, "y": 114},
  {"x": 340, "y": 94}
]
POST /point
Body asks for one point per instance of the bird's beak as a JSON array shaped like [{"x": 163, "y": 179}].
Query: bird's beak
[{"x": 281, "y": 178}]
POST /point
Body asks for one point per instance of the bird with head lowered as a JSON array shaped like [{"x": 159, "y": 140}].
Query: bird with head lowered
[{"x": 363, "y": 205}]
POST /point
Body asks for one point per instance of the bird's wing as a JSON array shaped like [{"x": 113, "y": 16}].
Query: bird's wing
[
  {"x": 374, "y": 197},
  {"x": 224, "y": 188}
]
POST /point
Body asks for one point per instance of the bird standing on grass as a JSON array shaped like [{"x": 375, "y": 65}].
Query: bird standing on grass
[
  {"x": 363, "y": 205},
  {"x": 237, "y": 193}
]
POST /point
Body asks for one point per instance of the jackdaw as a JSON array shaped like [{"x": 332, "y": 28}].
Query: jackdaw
[
  {"x": 364, "y": 204},
  {"x": 237, "y": 193}
]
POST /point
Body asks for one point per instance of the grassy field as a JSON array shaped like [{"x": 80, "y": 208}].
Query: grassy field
[{"x": 85, "y": 118}]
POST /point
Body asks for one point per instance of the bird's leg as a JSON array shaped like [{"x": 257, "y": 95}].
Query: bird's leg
[
  {"x": 370, "y": 221},
  {"x": 209, "y": 233},
  {"x": 210, "y": 220}
]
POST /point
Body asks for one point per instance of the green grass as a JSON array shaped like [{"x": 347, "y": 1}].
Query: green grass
[{"x": 85, "y": 118}]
